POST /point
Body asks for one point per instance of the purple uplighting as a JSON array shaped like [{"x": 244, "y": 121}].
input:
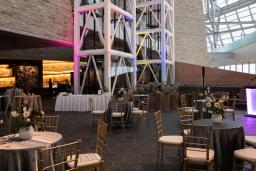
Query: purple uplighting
[{"x": 251, "y": 101}]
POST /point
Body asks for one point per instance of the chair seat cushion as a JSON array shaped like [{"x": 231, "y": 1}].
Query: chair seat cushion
[
  {"x": 135, "y": 108},
  {"x": 229, "y": 110},
  {"x": 248, "y": 154},
  {"x": 251, "y": 140},
  {"x": 186, "y": 131},
  {"x": 117, "y": 114},
  {"x": 98, "y": 111},
  {"x": 86, "y": 160},
  {"x": 191, "y": 110},
  {"x": 198, "y": 154},
  {"x": 139, "y": 112},
  {"x": 171, "y": 139}
]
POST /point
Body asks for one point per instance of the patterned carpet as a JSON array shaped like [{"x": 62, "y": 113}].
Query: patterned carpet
[{"x": 131, "y": 150}]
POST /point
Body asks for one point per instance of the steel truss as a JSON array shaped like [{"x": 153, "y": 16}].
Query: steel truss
[
  {"x": 106, "y": 32},
  {"x": 155, "y": 35}
]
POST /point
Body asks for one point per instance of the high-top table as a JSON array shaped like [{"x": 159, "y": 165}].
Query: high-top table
[
  {"x": 80, "y": 103},
  {"x": 21, "y": 155},
  {"x": 12, "y": 92},
  {"x": 227, "y": 137}
]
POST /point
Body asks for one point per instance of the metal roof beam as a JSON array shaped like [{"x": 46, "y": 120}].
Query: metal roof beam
[
  {"x": 233, "y": 7},
  {"x": 225, "y": 23}
]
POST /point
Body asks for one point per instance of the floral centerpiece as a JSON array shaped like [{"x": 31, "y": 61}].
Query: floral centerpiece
[
  {"x": 215, "y": 107},
  {"x": 121, "y": 92},
  {"x": 23, "y": 122}
]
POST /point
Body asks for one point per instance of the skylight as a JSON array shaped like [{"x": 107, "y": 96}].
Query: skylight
[{"x": 227, "y": 21}]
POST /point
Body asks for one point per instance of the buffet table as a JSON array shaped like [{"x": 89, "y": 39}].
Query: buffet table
[
  {"x": 19, "y": 155},
  {"x": 80, "y": 103}
]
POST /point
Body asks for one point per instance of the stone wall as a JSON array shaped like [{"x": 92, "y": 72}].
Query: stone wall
[
  {"x": 46, "y": 19},
  {"x": 190, "y": 39}
]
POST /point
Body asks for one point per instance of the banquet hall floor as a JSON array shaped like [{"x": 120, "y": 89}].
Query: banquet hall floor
[{"x": 131, "y": 150}]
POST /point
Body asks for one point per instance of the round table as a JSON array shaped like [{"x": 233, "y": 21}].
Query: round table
[
  {"x": 20, "y": 155},
  {"x": 227, "y": 137}
]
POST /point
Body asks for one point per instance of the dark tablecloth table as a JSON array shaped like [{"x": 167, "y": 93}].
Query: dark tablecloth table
[
  {"x": 127, "y": 106},
  {"x": 227, "y": 137}
]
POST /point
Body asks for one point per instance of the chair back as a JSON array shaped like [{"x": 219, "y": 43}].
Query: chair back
[
  {"x": 199, "y": 137},
  {"x": 102, "y": 131},
  {"x": 183, "y": 100},
  {"x": 59, "y": 156},
  {"x": 158, "y": 124},
  {"x": 47, "y": 123},
  {"x": 136, "y": 101},
  {"x": 117, "y": 106},
  {"x": 145, "y": 104},
  {"x": 185, "y": 119}
]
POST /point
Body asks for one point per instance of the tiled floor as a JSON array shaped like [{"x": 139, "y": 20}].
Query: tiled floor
[{"x": 131, "y": 150}]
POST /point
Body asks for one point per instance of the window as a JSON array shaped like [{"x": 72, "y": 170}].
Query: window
[
  {"x": 233, "y": 67},
  {"x": 252, "y": 68},
  {"x": 246, "y": 68},
  {"x": 239, "y": 68}
]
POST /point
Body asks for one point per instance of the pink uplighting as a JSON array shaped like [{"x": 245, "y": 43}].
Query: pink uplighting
[
  {"x": 61, "y": 43},
  {"x": 251, "y": 101}
]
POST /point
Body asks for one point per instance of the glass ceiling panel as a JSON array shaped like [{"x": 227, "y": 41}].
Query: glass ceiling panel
[{"x": 231, "y": 21}]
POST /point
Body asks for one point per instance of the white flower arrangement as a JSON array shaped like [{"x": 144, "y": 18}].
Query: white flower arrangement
[
  {"x": 14, "y": 114},
  {"x": 23, "y": 119}
]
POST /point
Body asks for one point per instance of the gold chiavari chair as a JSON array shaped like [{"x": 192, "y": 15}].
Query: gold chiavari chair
[
  {"x": 96, "y": 114},
  {"x": 245, "y": 157},
  {"x": 183, "y": 101},
  {"x": 117, "y": 113},
  {"x": 196, "y": 148},
  {"x": 143, "y": 108},
  {"x": 189, "y": 110},
  {"x": 59, "y": 156},
  {"x": 185, "y": 121},
  {"x": 171, "y": 141},
  {"x": 250, "y": 140},
  {"x": 94, "y": 160},
  {"x": 47, "y": 123},
  {"x": 230, "y": 111}
]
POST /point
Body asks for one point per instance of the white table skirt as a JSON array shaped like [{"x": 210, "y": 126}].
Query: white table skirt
[{"x": 80, "y": 103}]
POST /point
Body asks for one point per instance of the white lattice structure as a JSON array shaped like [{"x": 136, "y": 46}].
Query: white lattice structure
[
  {"x": 106, "y": 30},
  {"x": 155, "y": 31}
]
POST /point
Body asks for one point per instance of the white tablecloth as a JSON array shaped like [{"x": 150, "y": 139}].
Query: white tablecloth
[
  {"x": 22, "y": 155},
  {"x": 80, "y": 103}
]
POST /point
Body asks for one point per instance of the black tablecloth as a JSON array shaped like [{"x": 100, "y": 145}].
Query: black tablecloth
[
  {"x": 201, "y": 106},
  {"x": 2, "y": 103},
  {"x": 128, "y": 107},
  {"x": 227, "y": 137}
]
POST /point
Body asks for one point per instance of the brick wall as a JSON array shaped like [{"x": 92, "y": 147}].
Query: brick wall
[
  {"x": 47, "y": 19},
  {"x": 187, "y": 74}
]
